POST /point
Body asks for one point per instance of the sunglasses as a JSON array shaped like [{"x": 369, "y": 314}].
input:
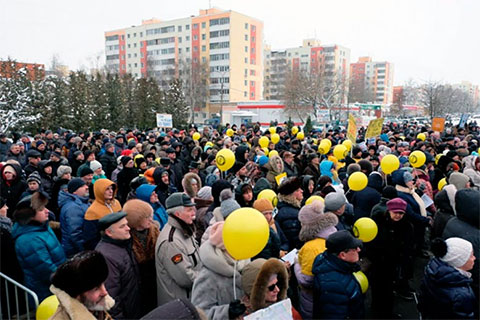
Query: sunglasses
[{"x": 272, "y": 287}]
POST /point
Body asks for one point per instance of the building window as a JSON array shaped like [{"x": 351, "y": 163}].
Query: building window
[
  {"x": 253, "y": 39},
  {"x": 136, "y": 74},
  {"x": 142, "y": 65},
  {"x": 245, "y": 82},
  {"x": 135, "y": 45},
  {"x": 141, "y": 34},
  {"x": 245, "y": 94},
  {"x": 134, "y": 55},
  {"x": 123, "y": 37},
  {"x": 195, "y": 37},
  {"x": 187, "y": 27},
  {"x": 141, "y": 54},
  {"x": 141, "y": 44},
  {"x": 246, "y": 37},
  {"x": 252, "y": 83},
  {"x": 204, "y": 24},
  {"x": 179, "y": 39},
  {"x": 246, "y": 48},
  {"x": 246, "y": 60},
  {"x": 179, "y": 50},
  {"x": 195, "y": 49},
  {"x": 252, "y": 72},
  {"x": 123, "y": 47},
  {"x": 204, "y": 48},
  {"x": 252, "y": 61},
  {"x": 187, "y": 38},
  {"x": 187, "y": 49},
  {"x": 195, "y": 26},
  {"x": 254, "y": 28},
  {"x": 203, "y": 36},
  {"x": 135, "y": 64},
  {"x": 128, "y": 36},
  {"x": 129, "y": 65},
  {"x": 128, "y": 45},
  {"x": 179, "y": 28},
  {"x": 204, "y": 60},
  {"x": 129, "y": 55},
  {"x": 134, "y": 34},
  {"x": 246, "y": 26}
]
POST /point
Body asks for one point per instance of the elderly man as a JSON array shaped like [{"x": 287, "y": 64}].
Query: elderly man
[
  {"x": 123, "y": 277},
  {"x": 80, "y": 289},
  {"x": 176, "y": 252}
]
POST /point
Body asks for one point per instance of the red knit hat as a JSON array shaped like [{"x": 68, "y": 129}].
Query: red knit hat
[{"x": 397, "y": 205}]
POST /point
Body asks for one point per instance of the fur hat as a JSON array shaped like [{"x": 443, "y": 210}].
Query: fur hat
[
  {"x": 290, "y": 185},
  {"x": 334, "y": 201},
  {"x": 255, "y": 278},
  {"x": 63, "y": 170},
  {"x": 34, "y": 176},
  {"x": 227, "y": 203},
  {"x": 314, "y": 221},
  {"x": 216, "y": 238},
  {"x": 263, "y": 205},
  {"x": 83, "y": 272},
  {"x": 27, "y": 207},
  {"x": 366, "y": 166},
  {"x": 95, "y": 165},
  {"x": 136, "y": 211},
  {"x": 310, "y": 213}
]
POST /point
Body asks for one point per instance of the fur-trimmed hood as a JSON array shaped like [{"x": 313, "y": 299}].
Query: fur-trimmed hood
[
  {"x": 187, "y": 184},
  {"x": 289, "y": 199},
  {"x": 73, "y": 309},
  {"x": 322, "y": 228},
  {"x": 275, "y": 164}
]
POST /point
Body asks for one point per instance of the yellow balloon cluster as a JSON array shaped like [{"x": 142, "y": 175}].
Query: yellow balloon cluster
[
  {"x": 245, "y": 233},
  {"x": 314, "y": 198},
  {"x": 300, "y": 136},
  {"x": 263, "y": 142},
  {"x": 421, "y": 136},
  {"x": 348, "y": 144},
  {"x": 365, "y": 229},
  {"x": 294, "y": 130},
  {"x": 272, "y": 130},
  {"x": 275, "y": 138},
  {"x": 324, "y": 146},
  {"x": 230, "y": 132}
]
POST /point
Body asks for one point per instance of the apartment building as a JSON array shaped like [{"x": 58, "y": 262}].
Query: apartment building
[
  {"x": 229, "y": 43},
  {"x": 33, "y": 71},
  {"x": 332, "y": 60},
  {"x": 371, "y": 81}
]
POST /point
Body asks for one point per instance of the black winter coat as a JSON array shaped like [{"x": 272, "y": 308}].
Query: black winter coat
[
  {"x": 446, "y": 294},
  {"x": 123, "y": 277},
  {"x": 124, "y": 177},
  {"x": 287, "y": 218},
  {"x": 444, "y": 213},
  {"x": 109, "y": 163},
  {"x": 13, "y": 190},
  {"x": 363, "y": 201}
]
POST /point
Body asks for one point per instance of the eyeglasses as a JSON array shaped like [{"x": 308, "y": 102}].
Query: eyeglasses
[{"x": 272, "y": 287}]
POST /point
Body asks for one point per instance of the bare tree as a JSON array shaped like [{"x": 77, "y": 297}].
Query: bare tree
[{"x": 194, "y": 78}]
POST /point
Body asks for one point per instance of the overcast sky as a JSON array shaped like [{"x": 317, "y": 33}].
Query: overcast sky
[{"x": 425, "y": 39}]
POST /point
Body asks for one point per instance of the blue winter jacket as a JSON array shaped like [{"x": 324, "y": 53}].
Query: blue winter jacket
[
  {"x": 336, "y": 293},
  {"x": 72, "y": 211},
  {"x": 445, "y": 293},
  {"x": 287, "y": 218},
  {"x": 39, "y": 254},
  {"x": 144, "y": 192}
]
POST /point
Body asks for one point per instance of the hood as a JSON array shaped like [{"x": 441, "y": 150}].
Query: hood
[
  {"x": 445, "y": 199},
  {"x": 217, "y": 187},
  {"x": 322, "y": 228},
  {"x": 469, "y": 162},
  {"x": 64, "y": 197},
  {"x": 19, "y": 229},
  {"x": 325, "y": 167},
  {"x": 157, "y": 177},
  {"x": 219, "y": 261},
  {"x": 441, "y": 274},
  {"x": 275, "y": 164},
  {"x": 466, "y": 206},
  {"x": 397, "y": 177},
  {"x": 261, "y": 184},
  {"x": 240, "y": 153},
  {"x": 288, "y": 201},
  {"x": 17, "y": 169},
  {"x": 99, "y": 189},
  {"x": 144, "y": 192},
  {"x": 375, "y": 181},
  {"x": 187, "y": 184},
  {"x": 305, "y": 180}
]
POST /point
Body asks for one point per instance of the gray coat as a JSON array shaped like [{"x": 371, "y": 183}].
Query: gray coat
[
  {"x": 213, "y": 287},
  {"x": 177, "y": 262}
]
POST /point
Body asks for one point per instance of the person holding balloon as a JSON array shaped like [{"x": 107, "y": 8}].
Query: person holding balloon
[{"x": 390, "y": 253}]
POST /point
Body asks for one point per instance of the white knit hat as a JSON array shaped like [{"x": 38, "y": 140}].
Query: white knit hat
[{"x": 458, "y": 252}]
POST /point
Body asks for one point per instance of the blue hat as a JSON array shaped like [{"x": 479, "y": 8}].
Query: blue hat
[
  {"x": 262, "y": 160},
  {"x": 144, "y": 192}
]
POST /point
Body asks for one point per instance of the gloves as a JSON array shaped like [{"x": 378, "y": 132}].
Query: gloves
[{"x": 236, "y": 309}]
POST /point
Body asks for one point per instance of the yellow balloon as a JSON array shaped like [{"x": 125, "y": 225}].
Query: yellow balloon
[
  {"x": 47, "y": 308},
  {"x": 438, "y": 156},
  {"x": 294, "y": 130},
  {"x": 245, "y": 233},
  {"x": 421, "y": 136},
  {"x": 357, "y": 181},
  {"x": 225, "y": 159},
  {"x": 196, "y": 136},
  {"x": 362, "y": 280},
  {"x": 275, "y": 138},
  {"x": 314, "y": 198},
  {"x": 209, "y": 143},
  {"x": 323, "y": 148},
  {"x": 417, "y": 159},
  {"x": 273, "y": 153},
  {"x": 270, "y": 195},
  {"x": 348, "y": 144},
  {"x": 263, "y": 142},
  {"x": 230, "y": 132},
  {"x": 315, "y": 141},
  {"x": 442, "y": 183},
  {"x": 389, "y": 163},
  {"x": 340, "y": 151},
  {"x": 300, "y": 136},
  {"x": 272, "y": 130},
  {"x": 265, "y": 150},
  {"x": 365, "y": 229}
]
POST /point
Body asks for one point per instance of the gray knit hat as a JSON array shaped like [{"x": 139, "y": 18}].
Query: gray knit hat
[
  {"x": 94, "y": 165},
  {"x": 227, "y": 203},
  {"x": 459, "y": 180},
  {"x": 334, "y": 201},
  {"x": 34, "y": 176},
  {"x": 63, "y": 170},
  {"x": 205, "y": 193}
]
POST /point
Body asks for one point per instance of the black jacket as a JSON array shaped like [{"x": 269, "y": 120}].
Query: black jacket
[{"x": 109, "y": 163}]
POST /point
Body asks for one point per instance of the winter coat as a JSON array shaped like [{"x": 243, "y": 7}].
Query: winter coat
[
  {"x": 445, "y": 203},
  {"x": 109, "y": 163},
  {"x": 287, "y": 218},
  {"x": 470, "y": 170},
  {"x": 163, "y": 191},
  {"x": 290, "y": 170},
  {"x": 29, "y": 169},
  {"x": 274, "y": 167},
  {"x": 200, "y": 226},
  {"x": 39, "y": 254},
  {"x": 159, "y": 213},
  {"x": 466, "y": 225},
  {"x": 12, "y": 190},
  {"x": 379, "y": 208},
  {"x": 212, "y": 288},
  {"x": 97, "y": 210},
  {"x": 72, "y": 212},
  {"x": 312, "y": 170},
  {"x": 272, "y": 248},
  {"x": 336, "y": 292},
  {"x": 4, "y": 147},
  {"x": 71, "y": 309},
  {"x": 413, "y": 208},
  {"x": 123, "y": 181},
  {"x": 363, "y": 201},
  {"x": 123, "y": 277},
  {"x": 177, "y": 261},
  {"x": 445, "y": 293}
]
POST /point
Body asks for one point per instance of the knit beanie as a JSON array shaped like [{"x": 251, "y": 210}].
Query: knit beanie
[
  {"x": 311, "y": 213},
  {"x": 263, "y": 205},
  {"x": 84, "y": 171},
  {"x": 389, "y": 192},
  {"x": 353, "y": 167},
  {"x": 334, "y": 201},
  {"x": 366, "y": 166},
  {"x": 459, "y": 180},
  {"x": 407, "y": 177},
  {"x": 125, "y": 160},
  {"x": 453, "y": 251},
  {"x": 34, "y": 176},
  {"x": 227, "y": 203},
  {"x": 215, "y": 237},
  {"x": 63, "y": 170},
  {"x": 205, "y": 193},
  {"x": 95, "y": 165},
  {"x": 74, "y": 184}
]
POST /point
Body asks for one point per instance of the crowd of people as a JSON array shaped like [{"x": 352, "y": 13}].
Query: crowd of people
[{"x": 129, "y": 224}]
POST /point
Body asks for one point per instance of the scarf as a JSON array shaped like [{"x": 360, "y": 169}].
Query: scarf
[{"x": 415, "y": 196}]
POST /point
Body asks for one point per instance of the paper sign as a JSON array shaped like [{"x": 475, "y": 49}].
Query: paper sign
[
  {"x": 463, "y": 120},
  {"x": 427, "y": 200},
  {"x": 352, "y": 129},
  {"x": 374, "y": 128},
  {"x": 290, "y": 257},
  {"x": 279, "y": 311},
  {"x": 438, "y": 124},
  {"x": 279, "y": 178},
  {"x": 164, "y": 120}
]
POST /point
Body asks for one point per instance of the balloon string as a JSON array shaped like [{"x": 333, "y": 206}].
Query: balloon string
[{"x": 234, "y": 277}]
